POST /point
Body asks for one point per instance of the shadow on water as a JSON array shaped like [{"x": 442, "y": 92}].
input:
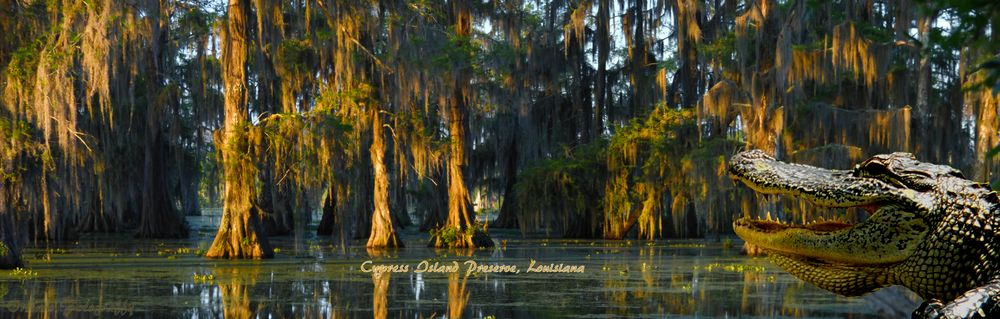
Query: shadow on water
[{"x": 315, "y": 278}]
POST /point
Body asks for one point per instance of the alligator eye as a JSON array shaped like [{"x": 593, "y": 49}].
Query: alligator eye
[{"x": 876, "y": 169}]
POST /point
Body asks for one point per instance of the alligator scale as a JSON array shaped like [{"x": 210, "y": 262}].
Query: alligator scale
[{"x": 930, "y": 230}]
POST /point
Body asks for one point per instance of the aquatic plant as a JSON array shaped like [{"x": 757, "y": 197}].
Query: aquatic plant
[
  {"x": 23, "y": 273},
  {"x": 734, "y": 267},
  {"x": 203, "y": 278},
  {"x": 458, "y": 237}
]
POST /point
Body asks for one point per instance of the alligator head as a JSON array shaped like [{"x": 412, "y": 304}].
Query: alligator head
[{"x": 929, "y": 229}]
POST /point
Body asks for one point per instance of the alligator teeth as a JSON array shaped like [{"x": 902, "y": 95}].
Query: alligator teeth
[{"x": 768, "y": 216}]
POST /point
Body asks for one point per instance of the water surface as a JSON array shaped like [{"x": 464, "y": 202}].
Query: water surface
[{"x": 117, "y": 276}]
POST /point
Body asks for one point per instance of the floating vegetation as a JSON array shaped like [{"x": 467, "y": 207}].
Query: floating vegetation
[
  {"x": 174, "y": 252},
  {"x": 734, "y": 267},
  {"x": 203, "y": 278},
  {"x": 23, "y": 273},
  {"x": 455, "y": 237},
  {"x": 686, "y": 245}
]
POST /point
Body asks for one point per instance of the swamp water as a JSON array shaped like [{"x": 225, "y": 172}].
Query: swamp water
[{"x": 314, "y": 277}]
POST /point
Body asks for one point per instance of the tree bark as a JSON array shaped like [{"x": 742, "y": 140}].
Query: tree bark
[
  {"x": 458, "y": 194},
  {"x": 436, "y": 202},
  {"x": 508, "y": 214},
  {"x": 328, "y": 220},
  {"x": 239, "y": 233},
  {"x": 603, "y": 40},
  {"x": 922, "y": 109},
  {"x": 382, "y": 233},
  {"x": 459, "y": 203}
]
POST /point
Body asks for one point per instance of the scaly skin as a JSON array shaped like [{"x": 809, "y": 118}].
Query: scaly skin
[{"x": 931, "y": 230}]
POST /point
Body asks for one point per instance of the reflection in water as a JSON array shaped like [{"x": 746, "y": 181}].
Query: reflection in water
[
  {"x": 457, "y": 296},
  {"x": 620, "y": 281},
  {"x": 380, "y": 300},
  {"x": 235, "y": 285}
]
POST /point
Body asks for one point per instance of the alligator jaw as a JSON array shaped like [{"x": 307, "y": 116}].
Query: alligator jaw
[
  {"x": 773, "y": 226},
  {"x": 835, "y": 242}
]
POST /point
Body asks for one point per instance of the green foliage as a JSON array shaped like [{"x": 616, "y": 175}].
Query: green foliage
[
  {"x": 195, "y": 20},
  {"x": 974, "y": 18},
  {"x": 447, "y": 234},
  {"x": 203, "y": 278},
  {"x": 644, "y": 162},
  {"x": 20, "y": 153},
  {"x": 612, "y": 186},
  {"x": 721, "y": 48},
  {"x": 460, "y": 52},
  {"x": 24, "y": 62},
  {"x": 295, "y": 56},
  {"x": 3, "y": 249},
  {"x": 454, "y": 236},
  {"x": 23, "y": 273},
  {"x": 874, "y": 33},
  {"x": 993, "y": 152},
  {"x": 564, "y": 190}
]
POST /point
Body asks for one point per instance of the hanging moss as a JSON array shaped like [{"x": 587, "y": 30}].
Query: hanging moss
[
  {"x": 643, "y": 165},
  {"x": 564, "y": 194}
]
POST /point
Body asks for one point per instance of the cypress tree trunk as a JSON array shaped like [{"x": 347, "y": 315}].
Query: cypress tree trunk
[
  {"x": 508, "y": 214},
  {"x": 398, "y": 206},
  {"x": 458, "y": 193},
  {"x": 436, "y": 203},
  {"x": 638, "y": 60},
  {"x": 603, "y": 40},
  {"x": 328, "y": 220},
  {"x": 240, "y": 232},
  {"x": 459, "y": 203},
  {"x": 382, "y": 233},
  {"x": 159, "y": 219},
  {"x": 924, "y": 24}
]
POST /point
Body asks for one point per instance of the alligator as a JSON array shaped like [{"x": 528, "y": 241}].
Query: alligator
[{"x": 929, "y": 229}]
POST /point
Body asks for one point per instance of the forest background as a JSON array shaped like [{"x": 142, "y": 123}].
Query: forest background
[{"x": 569, "y": 118}]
